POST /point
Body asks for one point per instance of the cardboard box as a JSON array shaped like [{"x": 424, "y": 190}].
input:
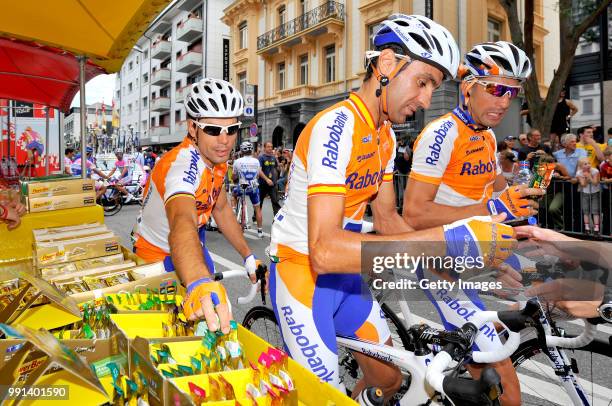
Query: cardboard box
[
  {"x": 54, "y": 252},
  {"x": 39, "y": 232},
  {"x": 70, "y": 234},
  {"x": 60, "y": 187},
  {"x": 38, "y": 204}
]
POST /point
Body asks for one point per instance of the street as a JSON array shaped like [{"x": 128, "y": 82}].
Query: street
[{"x": 539, "y": 385}]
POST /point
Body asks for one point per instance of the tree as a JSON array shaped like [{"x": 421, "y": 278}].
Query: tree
[{"x": 575, "y": 18}]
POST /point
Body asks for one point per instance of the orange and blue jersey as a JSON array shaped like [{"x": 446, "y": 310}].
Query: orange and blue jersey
[
  {"x": 180, "y": 172},
  {"x": 342, "y": 153}
]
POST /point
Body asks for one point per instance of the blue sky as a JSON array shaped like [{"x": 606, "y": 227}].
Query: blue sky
[{"x": 99, "y": 88}]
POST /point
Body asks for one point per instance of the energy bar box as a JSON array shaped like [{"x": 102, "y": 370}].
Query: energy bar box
[
  {"x": 54, "y": 252},
  {"x": 39, "y": 204},
  {"x": 58, "y": 187}
]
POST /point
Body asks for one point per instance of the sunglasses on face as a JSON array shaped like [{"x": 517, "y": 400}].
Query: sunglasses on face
[
  {"x": 215, "y": 130},
  {"x": 499, "y": 90}
]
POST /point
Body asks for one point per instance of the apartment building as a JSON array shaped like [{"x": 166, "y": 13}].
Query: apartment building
[
  {"x": 183, "y": 45},
  {"x": 98, "y": 120},
  {"x": 305, "y": 55}
]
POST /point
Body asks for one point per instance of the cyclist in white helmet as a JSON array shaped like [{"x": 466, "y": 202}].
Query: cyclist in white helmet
[
  {"x": 185, "y": 189},
  {"x": 343, "y": 160},
  {"x": 246, "y": 173},
  {"x": 455, "y": 175}
]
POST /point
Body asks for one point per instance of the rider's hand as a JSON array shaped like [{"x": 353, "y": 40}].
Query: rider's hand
[
  {"x": 208, "y": 299},
  {"x": 251, "y": 263},
  {"x": 578, "y": 297},
  {"x": 514, "y": 203},
  {"x": 480, "y": 236}
]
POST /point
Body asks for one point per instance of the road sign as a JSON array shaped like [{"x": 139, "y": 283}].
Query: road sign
[
  {"x": 253, "y": 130},
  {"x": 249, "y": 101},
  {"x": 249, "y": 111}
]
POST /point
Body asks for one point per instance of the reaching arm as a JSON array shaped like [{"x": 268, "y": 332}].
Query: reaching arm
[
  {"x": 386, "y": 219},
  {"x": 226, "y": 221},
  {"x": 183, "y": 239},
  {"x": 572, "y": 107}
]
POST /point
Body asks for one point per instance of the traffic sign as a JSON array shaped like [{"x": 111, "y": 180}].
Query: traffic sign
[
  {"x": 249, "y": 111},
  {"x": 249, "y": 101},
  {"x": 253, "y": 129}
]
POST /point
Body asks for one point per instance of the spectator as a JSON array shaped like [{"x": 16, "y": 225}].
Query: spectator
[
  {"x": 508, "y": 165},
  {"x": 569, "y": 155},
  {"x": 522, "y": 141},
  {"x": 588, "y": 177},
  {"x": 560, "y": 123},
  {"x": 269, "y": 168},
  {"x": 402, "y": 158},
  {"x": 68, "y": 157},
  {"x": 283, "y": 168},
  {"x": 593, "y": 150},
  {"x": 605, "y": 170},
  {"x": 534, "y": 147},
  {"x": 510, "y": 143}
]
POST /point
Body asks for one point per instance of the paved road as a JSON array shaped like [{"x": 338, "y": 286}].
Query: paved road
[{"x": 537, "y": 378}]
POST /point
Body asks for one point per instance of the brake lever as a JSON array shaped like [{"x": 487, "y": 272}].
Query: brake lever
[{"x": 260, "y": 275}]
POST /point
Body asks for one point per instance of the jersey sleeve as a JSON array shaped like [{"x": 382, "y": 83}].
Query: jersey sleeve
[
  {"x": 329, "y": 152},
  {"x": 433, "y": 149},
  {"x": 388, "y": 176},
  {"x": 179, "y": 176}
]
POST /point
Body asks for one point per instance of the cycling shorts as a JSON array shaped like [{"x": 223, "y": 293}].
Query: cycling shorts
[
  {"x": 125, "y": 181},
  {"x": 312, "y": 309},
  {"x": 457, "y": 307},
  {"x": 252, "y": 193}
]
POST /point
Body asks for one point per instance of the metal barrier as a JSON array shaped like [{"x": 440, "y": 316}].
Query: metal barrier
[{"x": 561, "y": 208}]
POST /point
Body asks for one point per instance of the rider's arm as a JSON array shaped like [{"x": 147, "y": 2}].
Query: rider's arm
[
  {"x": 183, "y": 239},
  {"x": 226, "y": 221},
  {"x": 386, "y": 218}
]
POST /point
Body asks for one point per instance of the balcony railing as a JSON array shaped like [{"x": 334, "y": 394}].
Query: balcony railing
[
  {"x": 161, "y": 49},
  {"x": 160, "y": 77},
  {"x": 328, "y": 10},
  {"x": 159, "y": 130},
  {"x": 189, "y": 62},
  {"x": 160, "y": 104},
  {"x": 181, "y": 92},
  {"x": 189, "y": 29}
]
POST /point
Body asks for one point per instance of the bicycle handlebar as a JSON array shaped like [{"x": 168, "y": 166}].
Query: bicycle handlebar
[{"x": 255, "y": 287}]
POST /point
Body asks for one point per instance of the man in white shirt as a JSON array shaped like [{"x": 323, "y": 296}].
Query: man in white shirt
[{"x": 247, "y": 170}]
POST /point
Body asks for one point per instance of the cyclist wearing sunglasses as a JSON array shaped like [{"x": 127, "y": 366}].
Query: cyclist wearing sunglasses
[
  {"x": 343, "y": 160},
  {"x": 455, "y": 174},
  {"x": 185, "y": 189}
]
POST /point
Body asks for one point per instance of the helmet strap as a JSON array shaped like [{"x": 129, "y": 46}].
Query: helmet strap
[{"x": 383, "y": 82}]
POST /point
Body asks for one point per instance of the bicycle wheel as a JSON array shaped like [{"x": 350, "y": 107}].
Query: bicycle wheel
[
  {"x": 591, "y": 364},
  {"x": 261, "y": 320},
  {"x": 350, "y": 373},
  {"x": 111, "y": 201}
]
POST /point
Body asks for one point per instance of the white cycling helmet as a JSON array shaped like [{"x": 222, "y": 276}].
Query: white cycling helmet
[
  {"x": 246, "y": 147},
  {"x": 422, "y": 39},
  {"x": 214, "y": 98},
  {"x": 499, "y": 58}
]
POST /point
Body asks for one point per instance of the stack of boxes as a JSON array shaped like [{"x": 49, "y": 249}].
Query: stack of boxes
[{"x": 57, "y": 194}]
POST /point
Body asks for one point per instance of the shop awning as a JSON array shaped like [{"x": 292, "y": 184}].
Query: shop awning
[{"x": 40, "y": 42}]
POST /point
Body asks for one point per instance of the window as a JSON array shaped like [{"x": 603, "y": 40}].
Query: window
[
  {"x": 302, "y": 7},
  {"x": 152, "y": 121},
  {"x": 145, "y": 78},
  {"x": 587, "y": 106},
  {"x": 330, "y": 63},
  {"x": 177, "y": 116},
  {"x": 164, "y": 92},
  {"x": 372, "y": 28},
  {"x": 130, "y": 87},
  {"x": 493, "y": 30},
  {"x": 131, "y": 65},
  {"x": 144, "y": 125},
  {"x": 165, "y": 63},
  {"x": 194, "y": 78},
  {"x": 282, "y": 15},
  {"x": 242, "y": 35},
  {"x": 177, "y": 85},
  {"x": 145, "y": 102},
  {"x": 118, "y": 94},
  {"x": 130, "y": 108},
  {"x": 281, "y": 76},
  {"x": 146, "y": 54},
  {"x": 242, "y": 82},
  {"x": 178, "y": 54},
  {"x": 304, "y": 69},
  {"x": 589, "y": 86}
]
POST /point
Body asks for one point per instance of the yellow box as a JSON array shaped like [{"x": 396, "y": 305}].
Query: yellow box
[
  {"x": 41, "y": 232},
  {"x": 38, "y": 204},
  {"x": 70, "y": 234},
  {"x": 54, "y": 252},
  {"x": 57, "y": 187}
]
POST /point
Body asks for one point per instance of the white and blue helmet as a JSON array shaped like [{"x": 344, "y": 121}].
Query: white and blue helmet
[{"x": 422, "y": 39}]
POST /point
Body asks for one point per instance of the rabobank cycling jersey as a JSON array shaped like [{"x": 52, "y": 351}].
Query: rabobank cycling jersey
[
  {"x": 460, "y": 160},
  {"x": 180, "y": 172},
  {"x": 339, "y": 152},
  {"x": 247, "y": 168}
]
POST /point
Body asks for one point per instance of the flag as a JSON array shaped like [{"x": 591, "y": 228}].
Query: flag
[
  {"x": 95, "y": 124},
  {"x": 115, "y": 115}
]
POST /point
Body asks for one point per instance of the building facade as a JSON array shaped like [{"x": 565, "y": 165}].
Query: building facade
[
  {"x": 98, "y": 122},
  {"x": 305, "y": 55},
  {"x": 183, "y": 45}
]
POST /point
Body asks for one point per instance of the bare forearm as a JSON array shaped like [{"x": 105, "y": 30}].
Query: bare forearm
[
  {"x": 186, "y": 250},
  {"x": 422, "y": 216},
  {"x": 232, "y": 231},
  {"x": 340, "y": 251},
  {"x": 391, "y": 224}
]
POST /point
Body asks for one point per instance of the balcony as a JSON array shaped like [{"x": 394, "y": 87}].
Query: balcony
[
  {"x": 181, "y": 92},
  {"x": 314, "y": 22},
  {"x": 189, "y": 29},
  {"x": 160, "y": 104},
  {"x": 159, "y": 131},
  {"x": 160, "y": 77},
  {"x": 161, "y": 50},
  {"x": 189, "y": 62}
]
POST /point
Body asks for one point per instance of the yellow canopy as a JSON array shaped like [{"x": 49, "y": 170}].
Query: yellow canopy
[{"x": 103, "y": 30}]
